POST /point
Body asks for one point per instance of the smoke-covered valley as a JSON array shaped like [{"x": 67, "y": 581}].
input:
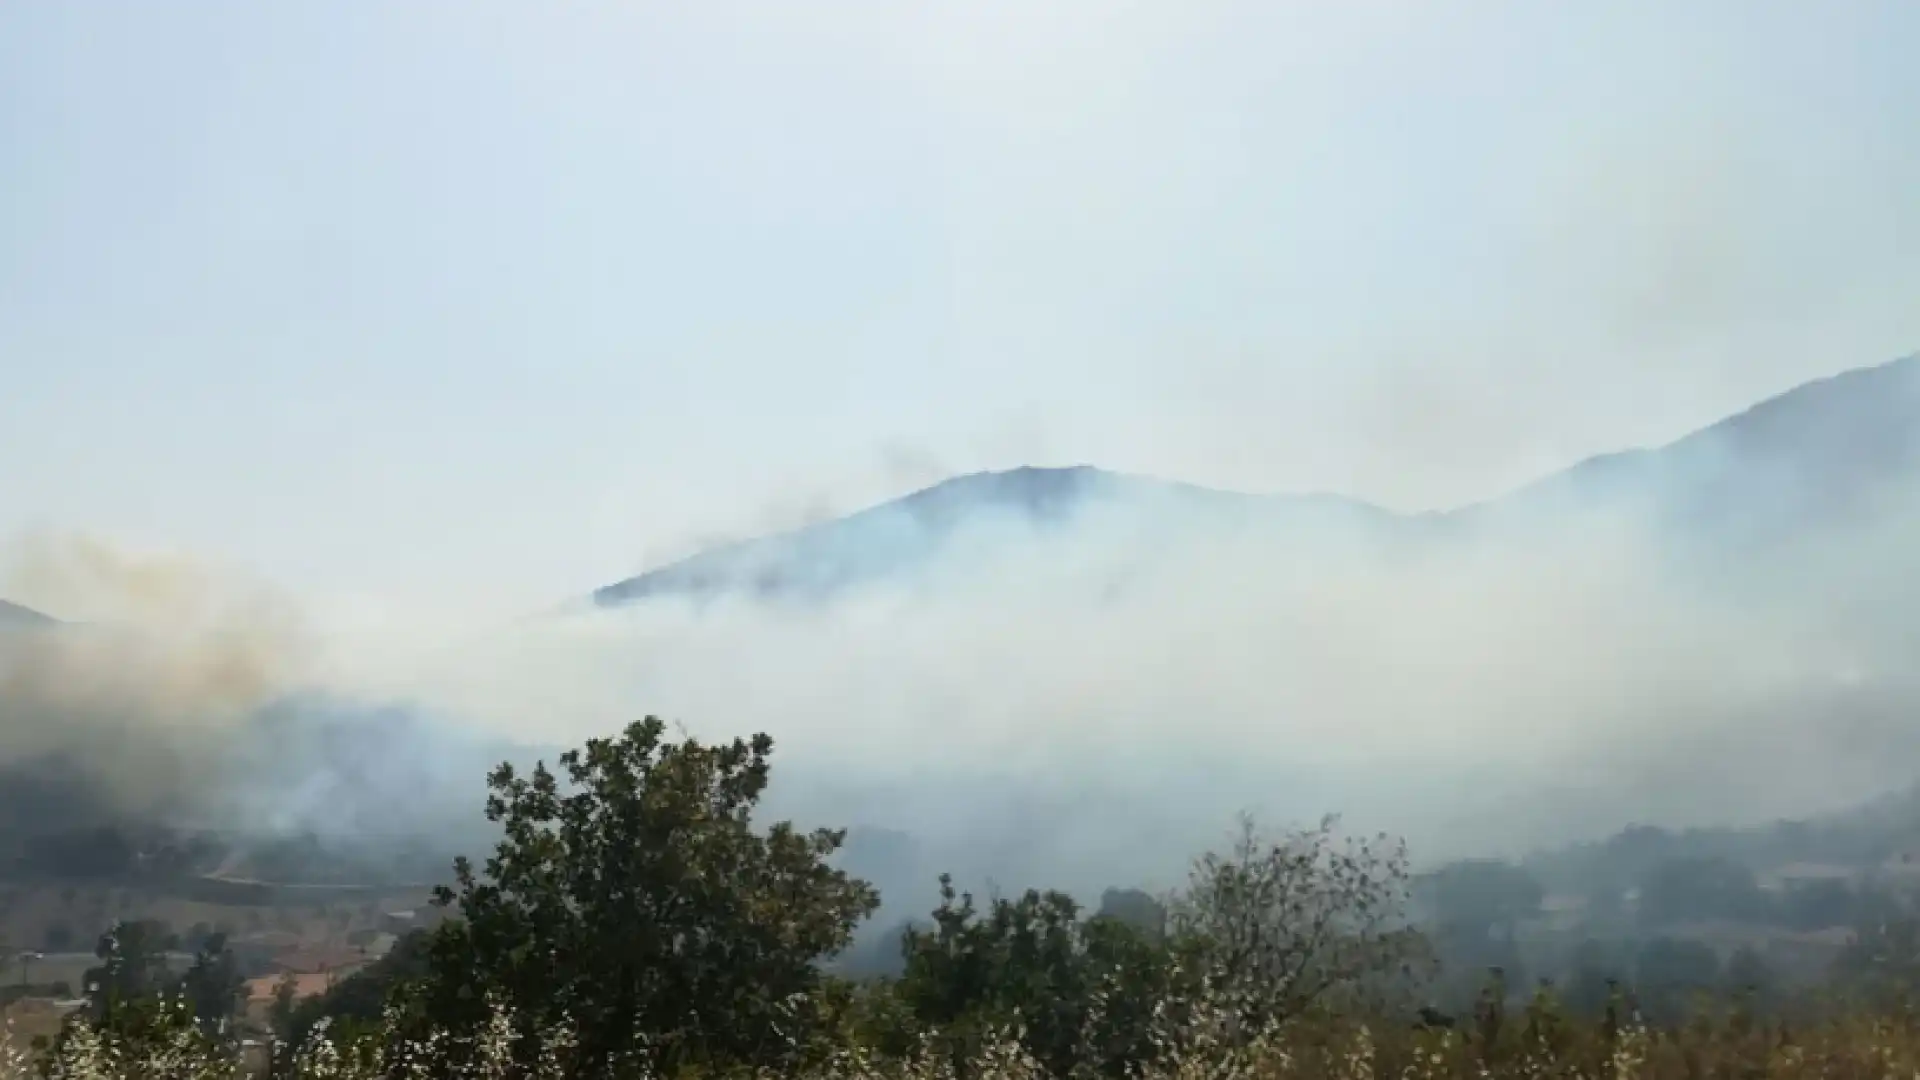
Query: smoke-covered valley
[{"x": 1068, "y": 676}]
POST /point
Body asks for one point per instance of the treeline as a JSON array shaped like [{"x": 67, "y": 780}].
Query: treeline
[
  {"x": 1643, "y": 930},
  {"x": 635, "y": 920}
]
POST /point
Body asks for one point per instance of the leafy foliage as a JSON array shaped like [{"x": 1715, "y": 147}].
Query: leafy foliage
[
  {"x": 1080, "y": 991},
  {"x": 361, "y": 998},
  {"x": 1481, "y": 896},
  {"x": 213, "y": 985},
  {"x": 639, "y": 907},
  {"x": 1701, "y": 888},
  {"x": 132, "y": 966},
  {"x": 1288, "y": 923},
  {"x": 634, "y": 920}
]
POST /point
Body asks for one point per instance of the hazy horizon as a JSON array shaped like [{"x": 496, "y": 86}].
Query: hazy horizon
[
  {"x": 470, "y": 307},
  {"x": 335, "y": 344}
]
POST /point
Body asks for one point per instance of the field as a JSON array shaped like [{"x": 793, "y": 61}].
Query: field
[{"x": 71, "y": 918}]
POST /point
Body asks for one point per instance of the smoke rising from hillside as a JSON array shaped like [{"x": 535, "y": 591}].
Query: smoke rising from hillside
[
  {"x": 1087, "y": 702},
  {"x": 1085, "y": 699},
  {"x": 175, "y": 692},
  {"x": 160, "y": 658}
]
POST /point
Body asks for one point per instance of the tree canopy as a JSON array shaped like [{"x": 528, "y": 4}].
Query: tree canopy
[{"x": 637, "y": 906}]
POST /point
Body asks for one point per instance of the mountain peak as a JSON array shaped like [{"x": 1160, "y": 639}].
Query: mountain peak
[
  {"x": 1040, "y": 492},
  {"x": 869, "y": 542},
  {"x": 1809, "y": 457},
  {"x": 908, "y": 531}
]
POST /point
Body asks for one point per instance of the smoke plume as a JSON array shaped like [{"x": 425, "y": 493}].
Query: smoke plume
[{"x": 1076, "y": 679}]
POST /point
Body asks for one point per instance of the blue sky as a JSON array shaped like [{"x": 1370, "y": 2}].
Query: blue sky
[{"x": 485, "y": 304}]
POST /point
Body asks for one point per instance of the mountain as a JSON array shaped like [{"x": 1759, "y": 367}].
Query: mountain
[
  {"x": 909, "y": 532},
  {"x": 1814, "y": 455},
  {"x": 13, "y": 615},
  {"x": 1818, "y": 454}
]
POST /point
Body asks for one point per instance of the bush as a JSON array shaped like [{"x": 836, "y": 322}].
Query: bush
[{"x": 640, "y": 910}]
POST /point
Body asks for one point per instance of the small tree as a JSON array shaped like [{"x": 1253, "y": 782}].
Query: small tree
[
  {"x": 1283, "y": 924},
  {"x": 640, "y": 909},
  {"x": 1476, "y": 907},
  {"x": 1483, "y": 897},
  {"x": 213, "y": 985},
  {"x": 1594, "y": 972},
  {"x": 285, "y": 1000},
  {"x": 154, "y": 1036},
  {"x": 1882, "y": 963},
  {"x": 132, "y": 966},
  {"x": 1678, "y": 890},
  {"x": 1082, "y": 993},
  {"x": 360, "y": 1000},
  {"x": 1751, "y": 982},
  {"x": 1671, "y": 974}
]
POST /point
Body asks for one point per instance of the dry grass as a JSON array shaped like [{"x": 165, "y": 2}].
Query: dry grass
[{"x": 28, "y": 912}]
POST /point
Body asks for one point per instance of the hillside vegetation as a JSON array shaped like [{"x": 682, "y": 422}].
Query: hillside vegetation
[{"x": 634, "y": 920}]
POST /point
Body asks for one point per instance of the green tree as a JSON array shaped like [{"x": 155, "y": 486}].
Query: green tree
[
  {"x": 1082, "y": 992},
  {"x": 1476, "y": 907},
  {"x": 1482, "y": 896},
  {"x": 1679, "y": 890},
  {"x": 1670, "y": 974},
  {"x": 132, "y": 966},
  {"x": 198, "y": 935},
  {"x": 1882, "y": 962},
  {"x": 213, "y": 984},
  {"x": 361, "y": 998},
  {"x": 1751, "y": 982},
  {"x": 639, "y": 908},
  {"x": 1595, "y": 971},
  {"x": 152, "y": 1036},
  {"x": 1288, "y": 923},
  {"x": 280, "y": 1014}
]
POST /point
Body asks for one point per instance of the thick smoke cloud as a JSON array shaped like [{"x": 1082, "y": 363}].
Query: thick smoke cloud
[
  {"x": 176, "y": 694},
  {"x": 1712, "y": 633},
  {"x": 1085, "y": 701}
]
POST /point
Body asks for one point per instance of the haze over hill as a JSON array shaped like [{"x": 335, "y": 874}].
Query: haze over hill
[
  {"x": 1710, "y": 631},
  {"x": 187, "y": 710},
  {"x": 331, "y": 347},
  {"x": 1808, "y": 460},
  {"x": 14, "y": 615},
  {"x": 1706, "y": 631}
]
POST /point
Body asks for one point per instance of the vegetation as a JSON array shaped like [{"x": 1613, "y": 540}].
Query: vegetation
[{"x": 634, "y": 920}]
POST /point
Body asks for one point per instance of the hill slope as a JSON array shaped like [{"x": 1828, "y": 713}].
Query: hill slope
[
  {"x": 1815, "y": 455},
  {"x": 1818, "y": 454},
  {"x": 914, "y": 530},
  {"x": 15, "y": 615}
]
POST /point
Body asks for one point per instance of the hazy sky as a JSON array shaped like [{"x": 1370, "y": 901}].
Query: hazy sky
[{"x": 493, "y": 303}]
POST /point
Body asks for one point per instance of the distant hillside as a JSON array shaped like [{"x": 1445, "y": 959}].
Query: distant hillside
[
  {"x": 911, "y": 531},
  {"x": 1811, "y": 456},
  {"x": 12, "y": 614}
]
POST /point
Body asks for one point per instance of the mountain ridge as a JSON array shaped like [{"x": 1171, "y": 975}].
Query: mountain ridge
[
  {"x": 1822, "y": 448},
  {"x": 19, "y": 615}
]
